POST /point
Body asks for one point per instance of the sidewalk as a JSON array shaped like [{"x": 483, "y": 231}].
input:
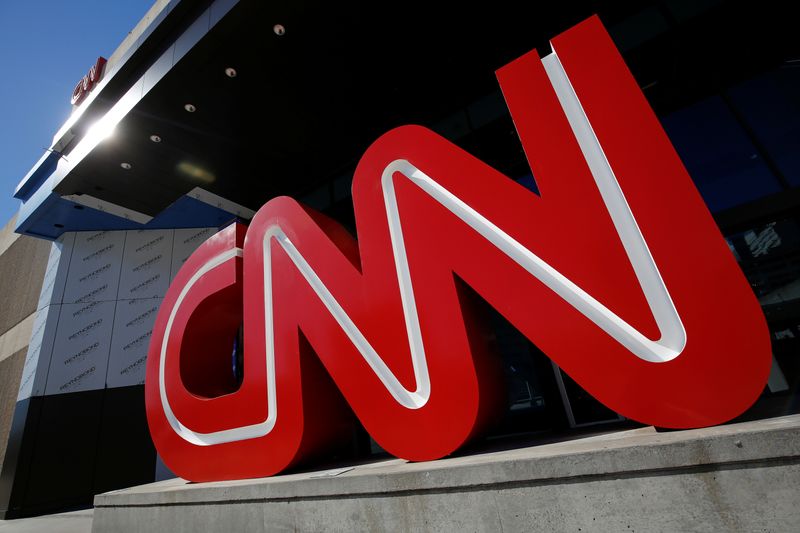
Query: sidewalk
[{"x": 74, "y": 522}]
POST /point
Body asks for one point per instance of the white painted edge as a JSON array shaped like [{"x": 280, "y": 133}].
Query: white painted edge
[
  {"x": 108, "y": 207},
  {"x": 202, "y": 195}
]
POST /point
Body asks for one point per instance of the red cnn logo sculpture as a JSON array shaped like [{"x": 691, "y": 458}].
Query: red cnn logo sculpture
[{"x": 616, "y": 271}]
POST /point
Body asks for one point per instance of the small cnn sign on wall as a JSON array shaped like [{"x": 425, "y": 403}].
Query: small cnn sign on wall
[{"x": 87, "y": 83}]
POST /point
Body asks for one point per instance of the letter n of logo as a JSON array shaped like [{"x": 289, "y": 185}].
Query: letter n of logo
[{"x": 615, "y": 270}]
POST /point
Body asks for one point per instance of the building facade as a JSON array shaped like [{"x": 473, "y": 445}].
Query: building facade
[{"x": 211, "y": 108}]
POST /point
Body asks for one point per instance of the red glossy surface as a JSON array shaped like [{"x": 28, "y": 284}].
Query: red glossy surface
[
  {"x": 721, "y": 371},
  {"x": 87, "y": 83}
]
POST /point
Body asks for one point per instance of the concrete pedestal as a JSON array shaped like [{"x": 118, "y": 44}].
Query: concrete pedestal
[{"x": 740, "y": 477}]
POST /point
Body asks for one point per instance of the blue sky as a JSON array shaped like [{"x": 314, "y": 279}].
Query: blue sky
[{"x": 46, "y": 46}]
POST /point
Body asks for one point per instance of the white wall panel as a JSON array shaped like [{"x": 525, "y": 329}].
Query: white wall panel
[
  {"x": 40, "y": 349},
  {"x": 133, "y": 327},
  {"x": 186, "y": 242},
  {"x": 80, "y": 352},
  {"x": 94, "y": 267},
  {"x": 112, "y": 284},
  {"x": 55, "y": 276},
  {"x": 146, "y": 264}
]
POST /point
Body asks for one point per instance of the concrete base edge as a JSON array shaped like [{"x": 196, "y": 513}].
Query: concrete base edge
[{"x": 740, "y": 477}]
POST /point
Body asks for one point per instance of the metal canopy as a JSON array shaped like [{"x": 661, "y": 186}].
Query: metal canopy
[{"x": 303, "y": 106}]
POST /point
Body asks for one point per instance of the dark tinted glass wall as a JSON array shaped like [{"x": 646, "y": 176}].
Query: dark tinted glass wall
[{"x": 739, "y": 137}]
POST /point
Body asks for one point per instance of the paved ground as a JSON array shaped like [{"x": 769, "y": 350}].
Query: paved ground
[{"x": 74, "y": 522}]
